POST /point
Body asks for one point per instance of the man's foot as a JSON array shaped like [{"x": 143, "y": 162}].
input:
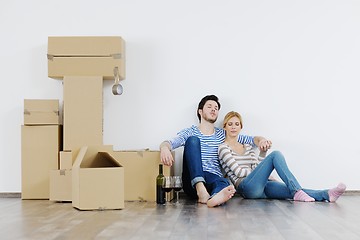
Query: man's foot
[
  {"x": 336, "y": 192},
  {"x": 203, "y": 198},
  {"x": 221, "y": 197},
  {"x": 203, "y": 195},
  {"x": 302, "y": 196}
]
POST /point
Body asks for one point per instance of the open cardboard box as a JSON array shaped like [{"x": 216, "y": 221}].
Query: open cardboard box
[{"x": 97, "y": 180}]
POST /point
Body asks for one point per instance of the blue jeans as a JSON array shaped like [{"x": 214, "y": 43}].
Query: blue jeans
[
  {"x": 257, "y": 185},
  {"x": 193, "y": 171}
]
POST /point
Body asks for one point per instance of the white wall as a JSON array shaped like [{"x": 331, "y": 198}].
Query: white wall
[{"x": 290, "y": 67}]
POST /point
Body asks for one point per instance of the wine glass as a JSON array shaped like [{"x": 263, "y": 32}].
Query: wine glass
[
  {"x": 177, "y": 186},
  {"x": 168, "y": 185}
]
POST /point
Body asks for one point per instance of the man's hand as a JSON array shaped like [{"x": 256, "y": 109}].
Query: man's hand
[
  {"x": 165, "y": 154},
  {"x": 264, "y": 144}
]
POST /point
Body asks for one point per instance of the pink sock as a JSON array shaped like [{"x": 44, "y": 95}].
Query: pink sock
[
  {"x": 336, "y": 192},
  {"x": 302, "y": 196}
]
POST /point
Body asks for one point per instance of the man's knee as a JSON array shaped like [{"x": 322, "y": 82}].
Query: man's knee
[{"x": 192, "y": 141}]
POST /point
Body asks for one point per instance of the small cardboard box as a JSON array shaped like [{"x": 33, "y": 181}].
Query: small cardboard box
[
  {"x": 40, "y": 146},
  {"x": 97, "y": 180},
  {"x": 142, "y": 165},
  {"x": 60, "y": 185},
  {"x": 41, "y": 112},
  {"x": 83, "y": 113},
  {"x": 86, "y": 56}
]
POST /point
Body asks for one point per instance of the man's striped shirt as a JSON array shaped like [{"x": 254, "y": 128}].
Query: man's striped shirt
[{"x": 209, "y": 146}]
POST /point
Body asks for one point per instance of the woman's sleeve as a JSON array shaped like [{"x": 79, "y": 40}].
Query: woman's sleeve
[{"x": 231, "y": 164}]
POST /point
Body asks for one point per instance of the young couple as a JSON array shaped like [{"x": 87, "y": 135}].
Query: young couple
[{"x": 208, "y": 150}]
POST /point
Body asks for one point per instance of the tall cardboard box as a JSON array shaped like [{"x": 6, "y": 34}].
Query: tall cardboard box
[
  {"x": 141, "y": 170},
  {"x": 83, "y": 112},
  {"x": 97, "y": 180},
  {"x": 41, "y": 112},
  {"x": 86, "y": 56},
  {"x": 40, "y": 146}
]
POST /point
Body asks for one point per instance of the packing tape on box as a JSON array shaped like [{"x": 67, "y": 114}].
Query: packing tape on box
[
  {"x": 114, "y": 56},
  {"x": 27, "y": 112}
]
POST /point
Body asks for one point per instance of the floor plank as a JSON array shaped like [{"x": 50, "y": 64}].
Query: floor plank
[{"x": 237, "y": 219}]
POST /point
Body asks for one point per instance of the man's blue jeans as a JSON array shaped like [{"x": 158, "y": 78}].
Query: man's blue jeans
[
  {"x": 257, "y": 185},
  {"x": 193, "y": 171}
]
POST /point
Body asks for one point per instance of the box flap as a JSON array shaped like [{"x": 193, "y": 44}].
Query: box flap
[
  {"x": 104, "y": 159},
  {"x": 80, "y": 157}
]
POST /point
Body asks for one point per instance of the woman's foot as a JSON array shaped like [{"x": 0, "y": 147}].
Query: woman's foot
[
  {"x": 221, "y": 197},
  {"x": 302, "y": 196},
  {"x": 336, "y": 192}
]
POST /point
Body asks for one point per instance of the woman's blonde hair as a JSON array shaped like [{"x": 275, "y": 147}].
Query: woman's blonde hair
[{"x": 230, "y": 115}]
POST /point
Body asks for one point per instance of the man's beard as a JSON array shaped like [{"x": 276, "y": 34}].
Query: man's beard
[{"x": 210, "y": 120}]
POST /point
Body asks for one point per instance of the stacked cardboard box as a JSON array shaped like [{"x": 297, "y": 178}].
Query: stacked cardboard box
[
  {"x": 141, "y": 169},
  {"x": 61, "y": 178},
  {"x": 40, "y": 146},
  {"x": 86, "y": 56},
  {"x": 83, "y": 63},
  {"x": 89, "y": 174}
]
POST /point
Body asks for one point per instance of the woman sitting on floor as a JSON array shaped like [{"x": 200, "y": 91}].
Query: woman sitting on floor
[{"x": 250, "y": 174}]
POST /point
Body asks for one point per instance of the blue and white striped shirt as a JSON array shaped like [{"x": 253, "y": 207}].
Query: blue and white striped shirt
[{"x": 209, "y": 146}]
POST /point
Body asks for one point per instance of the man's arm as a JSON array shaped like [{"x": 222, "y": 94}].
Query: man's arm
[{"x": 165, "y": 153}]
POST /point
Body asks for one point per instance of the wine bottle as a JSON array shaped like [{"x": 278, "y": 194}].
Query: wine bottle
[{"x": 160, "y": 193}]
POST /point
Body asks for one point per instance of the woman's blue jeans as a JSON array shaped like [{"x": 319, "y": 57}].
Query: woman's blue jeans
[
  {"x": 257, "y": 185},
  {"x": 193, "y": 171}
]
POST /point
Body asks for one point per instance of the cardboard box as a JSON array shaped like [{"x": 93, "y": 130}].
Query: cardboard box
[
  {"x": 41, "y": 112},
  {"x": 97, "y": 180},
  {"x": 66, "y": 160},
  {"x": 83, "y": 113},
  {"x": 86, "y": 56},
  {"x": 40, "y": 146},
  {"x": 143, "y": 166},
  {"x": 60, "y": 185}
]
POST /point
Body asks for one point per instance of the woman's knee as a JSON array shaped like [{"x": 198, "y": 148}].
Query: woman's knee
[
  {"x": 277, "y": 157},
  {"x": 276, "y": 154}
]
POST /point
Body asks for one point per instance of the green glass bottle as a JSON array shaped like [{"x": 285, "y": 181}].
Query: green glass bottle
[{"x": 160, "y": 193}]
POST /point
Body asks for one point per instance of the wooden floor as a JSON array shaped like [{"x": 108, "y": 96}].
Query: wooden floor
[{"x": 237, "y": 219}]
